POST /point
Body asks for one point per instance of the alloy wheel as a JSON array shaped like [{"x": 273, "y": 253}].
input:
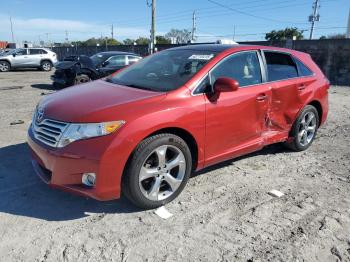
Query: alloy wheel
[
  {"x": 162, "y": 172},
  {"x": 307, "y": 128},
  {"x": 4, "y": 67}
]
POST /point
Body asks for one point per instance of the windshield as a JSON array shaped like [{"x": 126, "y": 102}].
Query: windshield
[{"x": 163, "y": 71}]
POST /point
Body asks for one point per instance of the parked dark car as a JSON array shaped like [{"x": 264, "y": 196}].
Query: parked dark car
[{"x": 81, "y": 69}]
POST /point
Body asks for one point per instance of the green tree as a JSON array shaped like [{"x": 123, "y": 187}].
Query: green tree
[
  {"x": 162, "y": 40},
  {"x": 284, "y": 34},
  {"x": 142, "y": 41},
  {"x": 128, "y": 41}
]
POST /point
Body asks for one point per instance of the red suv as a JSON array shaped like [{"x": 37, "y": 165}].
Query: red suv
[{"x": 143, "y": 130}]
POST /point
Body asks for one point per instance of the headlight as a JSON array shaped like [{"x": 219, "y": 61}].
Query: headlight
[{"x": 76, "y": 132}]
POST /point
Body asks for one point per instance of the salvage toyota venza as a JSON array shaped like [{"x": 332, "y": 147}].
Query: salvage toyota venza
[{"x": 144, "y": 130}]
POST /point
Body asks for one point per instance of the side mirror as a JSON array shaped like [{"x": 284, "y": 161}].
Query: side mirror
[
  {"x": 105, "y": 63},
  {"x": 14, "y": 54},
  {"x": 225, "y": 84}
]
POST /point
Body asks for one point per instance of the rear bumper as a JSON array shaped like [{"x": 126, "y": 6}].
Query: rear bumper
[{"x": 64, "y": 171}]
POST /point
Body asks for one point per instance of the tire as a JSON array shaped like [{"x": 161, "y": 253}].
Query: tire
[
  {"x": 46, "y": 66},
  {"x": 145, "y": 171},
  {"x": 81, "y": 79},
  {"x": 4, "y": 66},
  {"x": 307, "y": 122}
]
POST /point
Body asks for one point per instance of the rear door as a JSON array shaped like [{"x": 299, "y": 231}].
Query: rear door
[
  {"x": 35, "y": 56},
  {"x": 235, "y": 120},
  {"x": 282, "y": 73}
]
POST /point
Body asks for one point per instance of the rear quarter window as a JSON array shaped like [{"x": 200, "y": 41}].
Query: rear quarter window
[
  {"x": 280, "y": 66},
  {"x": 303, "y": 70}
]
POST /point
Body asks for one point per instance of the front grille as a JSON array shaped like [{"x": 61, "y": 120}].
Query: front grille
[{"x": 48, "y": 131}]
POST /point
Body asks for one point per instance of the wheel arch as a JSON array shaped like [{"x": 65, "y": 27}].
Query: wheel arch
[
  {"x": 182, "y": 133},
  {"x": 45, "y": 60},
  {"x": 319, "y": 109},
  {"x": 6, "y": 60}
]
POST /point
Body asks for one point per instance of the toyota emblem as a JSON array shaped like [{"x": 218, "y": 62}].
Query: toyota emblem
[{"x": 40, "y": 115}]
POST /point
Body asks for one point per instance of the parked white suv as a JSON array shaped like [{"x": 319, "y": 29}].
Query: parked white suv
[{"x": 28, "y": 58}]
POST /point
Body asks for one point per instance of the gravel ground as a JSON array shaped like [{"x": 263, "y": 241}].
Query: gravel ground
[{"x": 224, "y": 213}]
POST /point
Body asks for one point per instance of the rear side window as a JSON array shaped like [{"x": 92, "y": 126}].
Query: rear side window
[
  {"x": 243, "y": 67},
  {"x": 117, "y": 61},
  {"x": 37, "y": 51},
  {"x": 280, "y": 66},
  {"x": 303, "y": 69}
]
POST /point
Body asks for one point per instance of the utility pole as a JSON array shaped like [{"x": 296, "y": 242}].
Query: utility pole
[
  {"x": 348, "y": 28},
  {"x": 112, "y": 32},
  {"x": 315, "y": 17},
  {"x": 13, "y": 38},
  {"x": 67, "y": 36},
  {"x": 194, "y": 26},
  {"x": 153, "y": 28}
]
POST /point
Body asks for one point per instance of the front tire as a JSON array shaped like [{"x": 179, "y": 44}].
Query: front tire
[
  {"x": 81, "y": 79},
  {"x": 304, "y": 129},
  {"x": 4, "y": 66},
  {"x": 157, "y": 171}
]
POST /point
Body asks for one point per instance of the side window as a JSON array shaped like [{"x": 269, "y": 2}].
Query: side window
[
  {"x": 21, "y": 52},
  {"x": 280, "y": 66},
  {"x": 34, "y": 51},
  {"x": 243, "y": 67},
  {"x": 133, "y": 59},
  {"x": 303, "y": 69},
  {"x": 118, "y": 60}
]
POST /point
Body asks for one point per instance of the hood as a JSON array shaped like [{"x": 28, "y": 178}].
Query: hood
[
  {"x": 70, "y": 61},
  {"x": 65, "y": 64},
  {"x": 96, "y": 101}
]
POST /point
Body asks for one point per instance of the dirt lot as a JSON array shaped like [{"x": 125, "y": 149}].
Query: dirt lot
[{"x": 224, "y": 214}]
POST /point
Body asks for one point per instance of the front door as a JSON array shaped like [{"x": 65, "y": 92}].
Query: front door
[
  {"x": 21, "y": 58},
  {"x": 235, "y": 120}
]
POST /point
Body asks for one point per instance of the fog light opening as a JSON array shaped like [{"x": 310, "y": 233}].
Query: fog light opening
[{"x": 88, "y": 179}]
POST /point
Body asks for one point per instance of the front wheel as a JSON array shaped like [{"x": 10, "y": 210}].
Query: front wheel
[
  {"x": 157, "y": 171},
  {"x": 81, "y": 79},
  {"x": 304, "y": 129},
  {"x": 4, "y": 66}
]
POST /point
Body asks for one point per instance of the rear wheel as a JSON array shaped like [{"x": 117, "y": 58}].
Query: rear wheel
[
  {"x": 81, "y": 79},
  {"x": 4, "y": 66},
  {"x": 304, "y": 129},
  {"x": 46, "y": 66},
  {"x": 158, "y": 171}
]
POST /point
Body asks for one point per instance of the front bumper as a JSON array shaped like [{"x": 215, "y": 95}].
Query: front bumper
[{"x": 64, "y": 171}]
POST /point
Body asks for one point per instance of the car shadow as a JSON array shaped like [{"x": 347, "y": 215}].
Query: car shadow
[
  {"x": 268, "y": 150},
  {"x": 43, "y": 86},
  {"x": 23, "y": 193}
]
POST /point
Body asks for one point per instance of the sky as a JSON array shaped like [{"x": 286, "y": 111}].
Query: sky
[{"x": 243, "y": 20}]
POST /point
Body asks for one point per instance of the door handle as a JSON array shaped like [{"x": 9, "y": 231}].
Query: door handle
[{"x": 261, "y": 97}]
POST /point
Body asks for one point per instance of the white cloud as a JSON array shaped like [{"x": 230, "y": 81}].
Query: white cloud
[{"x": 35, "y": 28}]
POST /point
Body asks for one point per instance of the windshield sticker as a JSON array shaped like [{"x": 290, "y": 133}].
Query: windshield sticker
[{"x": 201, "y": 57}]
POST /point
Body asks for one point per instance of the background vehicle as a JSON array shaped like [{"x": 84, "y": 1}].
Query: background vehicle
[
  {"x": 144, "y": 130},
  {"x": 28, "y": 58},
  {"x": 80, "y": 69}
]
